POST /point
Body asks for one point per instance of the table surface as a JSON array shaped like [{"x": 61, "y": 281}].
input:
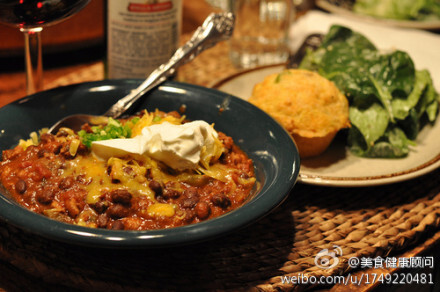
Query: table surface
[{"x": 397, "y": 221}]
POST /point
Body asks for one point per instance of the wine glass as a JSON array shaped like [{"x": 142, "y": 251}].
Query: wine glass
[{"x": 30, "y": 16}]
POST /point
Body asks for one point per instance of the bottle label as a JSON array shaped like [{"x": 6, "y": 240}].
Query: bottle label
[{"x": 141, "y": 35}]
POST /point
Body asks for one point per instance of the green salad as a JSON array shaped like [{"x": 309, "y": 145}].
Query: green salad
[
  {"x": 419, "y": 10},
  {"x": 389, "y": 99}
]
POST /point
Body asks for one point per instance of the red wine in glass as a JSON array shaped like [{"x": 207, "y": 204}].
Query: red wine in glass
[{"x": 30, "y": 16}]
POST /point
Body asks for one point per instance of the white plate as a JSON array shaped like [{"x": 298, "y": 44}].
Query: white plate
[
  {"x": 430, "y": 25},
  {"x": 337, "y": 166}
]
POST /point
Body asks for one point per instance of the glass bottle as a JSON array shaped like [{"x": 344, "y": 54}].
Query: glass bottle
[{"x": 140, "y": 35}]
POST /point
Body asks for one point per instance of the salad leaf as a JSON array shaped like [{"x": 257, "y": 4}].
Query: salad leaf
[
  {"x": 401, "y": 105},
  {"x": 372, "y": 122},
  {"x": 388, "y": 97},
  {"x": 421, "y": 10}
]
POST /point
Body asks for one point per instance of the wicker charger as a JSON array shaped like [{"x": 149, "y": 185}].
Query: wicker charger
[
  {"x": 369, "y": 222},
  {"x": 364, "y": 222}
]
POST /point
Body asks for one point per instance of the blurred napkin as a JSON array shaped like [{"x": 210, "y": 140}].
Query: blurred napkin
[{"x": 422, "y": 46}]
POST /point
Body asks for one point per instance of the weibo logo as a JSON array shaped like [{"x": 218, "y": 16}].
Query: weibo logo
[{"x": 327, "y": 259}]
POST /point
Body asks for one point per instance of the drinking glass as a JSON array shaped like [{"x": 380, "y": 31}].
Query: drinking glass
[
  {"x": 261, "y": 32},
  {"x": 30, "y": 16}
]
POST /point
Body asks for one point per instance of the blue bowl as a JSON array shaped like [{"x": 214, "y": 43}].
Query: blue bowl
[{"x": 275, "y": 156}]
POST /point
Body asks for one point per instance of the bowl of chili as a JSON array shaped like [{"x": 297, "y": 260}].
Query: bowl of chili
[{"x": 273, "y": 153}]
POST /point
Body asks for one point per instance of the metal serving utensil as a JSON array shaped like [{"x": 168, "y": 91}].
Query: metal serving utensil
[
  {"x": 311, "y": 42},
  {"x": 217, "y": 27}
]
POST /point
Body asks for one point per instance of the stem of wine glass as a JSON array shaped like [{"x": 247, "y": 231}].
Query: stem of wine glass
[{"x": 33, "y": 59}]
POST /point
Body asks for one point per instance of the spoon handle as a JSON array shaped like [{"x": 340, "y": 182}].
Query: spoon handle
[{"x": 217, "y": 27}]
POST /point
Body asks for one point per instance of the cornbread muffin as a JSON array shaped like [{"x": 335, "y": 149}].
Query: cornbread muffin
[{"x": 310, "y": 107}]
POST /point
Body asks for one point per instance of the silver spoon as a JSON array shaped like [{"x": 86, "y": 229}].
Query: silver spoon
[{"x": 217, "y": 27}]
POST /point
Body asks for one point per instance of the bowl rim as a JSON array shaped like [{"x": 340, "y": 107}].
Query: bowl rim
[{"x": 272, "y": 194}]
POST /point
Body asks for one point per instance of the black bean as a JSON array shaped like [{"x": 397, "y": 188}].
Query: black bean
[
  {"x": 20, "y": 186},
  {"x": 102, "y": 221},
  {"x": 170, "y": 194},
  {"x": 148, "y": 174},
  {"x": 121, "y": 196},
  {"x": 189, "y": 203},
  {"x": 117, "y": 211},
  {"x": 189, "y": 216},
  {"x": 66, "y": 183},
  {"x": 191, "y": 193},
  {"x": 100, "y": 206},
  {"x": 46, "y": 196},
  {"x": 118, "y": 225},
  {"x": 156, "y": 187},
  {"x": 57, "y": 149},
  {"x": 221, "y": 200},
  {"x": 202, "y": 210}
]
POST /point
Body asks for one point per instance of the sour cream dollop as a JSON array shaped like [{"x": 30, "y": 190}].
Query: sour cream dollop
[{"x": 178, "y": 146}]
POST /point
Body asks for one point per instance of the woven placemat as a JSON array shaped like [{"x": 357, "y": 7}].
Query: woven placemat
[
  {"x": 369, "y": 222},
  {"x": 93, "y": 72},
  {"x": 363, "y": 222},
  {"x": 210, "y": 66}
]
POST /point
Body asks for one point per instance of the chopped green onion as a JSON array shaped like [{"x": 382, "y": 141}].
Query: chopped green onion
[{"x": 113, "y": 130}]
